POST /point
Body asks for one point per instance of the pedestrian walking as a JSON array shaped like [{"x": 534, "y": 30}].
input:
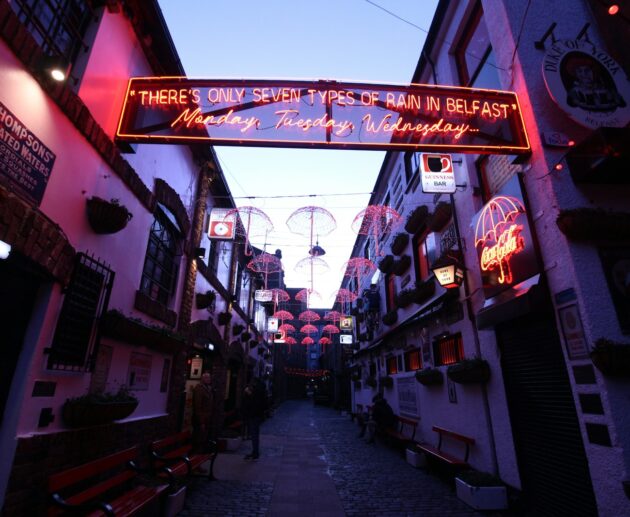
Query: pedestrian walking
[
  {"x": 254, "y": 408},
  {"x": 203, "y": 401}
]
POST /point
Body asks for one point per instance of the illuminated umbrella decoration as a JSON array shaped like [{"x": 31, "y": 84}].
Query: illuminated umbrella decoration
[
  {"x": 494, "y": 224},
  {"x": 343, "y": 296},
  {"x": 376, "y": 221},
  {"x": 290, "y": 341},
  {"x": 286, "y": 327},
  {"x": 331, "y": 329},
  {"x": 309, "y": 316},
  {"x": 311, "y": 220},
  {"x": 333, "y": 316},
  {"x": 325, "y": 341},
  {"x": 308, "y": 341},
  {"x": 265, "y": 263},
  {"x": 278, "y": 296},
  {"x": 310, "y": 266},
  {"x": 358, "y": 268},
  {"x": 282, "y": 315},
  {"x": 308, "y": 329},
  {"x": 252, "y": 222},
  {"x": 307, "y": 296}
]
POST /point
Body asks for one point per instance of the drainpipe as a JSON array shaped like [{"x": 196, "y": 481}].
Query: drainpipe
[{"x": 471, "y": 317}]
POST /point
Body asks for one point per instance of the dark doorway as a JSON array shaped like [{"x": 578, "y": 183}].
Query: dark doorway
[
  {"x": 549, "y": 448},
  {"x": 18, "y": 289}
]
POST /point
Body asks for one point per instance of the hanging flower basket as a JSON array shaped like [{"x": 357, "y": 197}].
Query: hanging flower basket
[
  {"x": 469, "y": 371},
  {"x": 253, "y": 343},
  {"x": 237, "y": 328},
  {"x": 441, "y": 215},
  {"x": 224, "y": 318},
  {"x": 429, "y": 377},
  {"x": 417, "y": 219},
  {"x": 588, "y": 224},
  {"x": 387, "y": 381},
  {"x": 400, "y": 243},
  {"x": 107, "y": 216},
  {"x": 401, "y": 265},
  {"x": 98, "y": 409},
  {"x": 386, "y": 263},
  {"x": 610, "y": 358},
  {"x": 390, "y": 318},
  {"x": 405, "y": 298},
  {"x": 246, "y": 336},
  {"x": 424, "y": 291},
  {"x": 205, "y": 300}
]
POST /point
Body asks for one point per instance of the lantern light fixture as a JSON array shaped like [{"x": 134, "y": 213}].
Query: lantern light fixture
[{"x": 448, "y": 271}]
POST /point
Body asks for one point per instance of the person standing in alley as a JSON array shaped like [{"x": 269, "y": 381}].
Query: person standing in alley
[
  {"x": 254, "y": 408},
  {"x": 203, "y": 401}
]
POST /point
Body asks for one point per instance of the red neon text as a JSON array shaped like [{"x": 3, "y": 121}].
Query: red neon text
[{"x": 498, "y": 255}]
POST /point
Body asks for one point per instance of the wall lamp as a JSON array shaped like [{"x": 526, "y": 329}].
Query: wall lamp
[
  {"x": 449, "y": 271},
  {"x": 5, "y": 250},
  {"x": 56, "y": 67}
]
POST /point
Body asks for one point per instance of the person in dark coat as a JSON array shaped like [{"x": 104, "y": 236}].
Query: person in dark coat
[
  {"x": 382, "y": 418},
  {"x": 203, "y": 401},
  {"x": 254, "y": 408}
]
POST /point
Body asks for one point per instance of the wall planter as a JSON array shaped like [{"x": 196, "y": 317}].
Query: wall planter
[
  {"x": 610, "y": 358},
  {"x": 400, "y": 243},
  {"x": 98, "y": 409},
  {"x": 205, "y": 300},
  {"x": 174, "y": 503},
  {"x": 401, "y": 265},
  {"x": 417, "y": 219},
  {"x": 481, "y": 491},
  {"x": 371, "y": 382},
  {"x": 386, "y": 263},
  {"x": 253, "y": 343},
  {"x": 246, "y": 336},
  {"x": 588, "y": 224},
  {"x": 390, "y": 318},
  {"x": 107, "y": 216},
  {"x": 424, "y": 291},
  {"x": 405, "y": 298},
  {"x": 224, "y": 318},
  {"x": 429, "y": 377},
  {"x": 441, "y": 215},
  {"x": 387, "y": 381},
  {"x": 469, "y": 371},
  {"x": 237, "y": 328}
]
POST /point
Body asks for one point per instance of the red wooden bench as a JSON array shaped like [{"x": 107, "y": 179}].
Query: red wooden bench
[
  {"x": 404, "y": 432},
  {"x": 175, "y": 452},
  {"x": 106, "y": 486},
  {"x": 446, "y": 457}
]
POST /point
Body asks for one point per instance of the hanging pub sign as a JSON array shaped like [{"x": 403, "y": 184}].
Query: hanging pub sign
[
  {"x": 587, "y": 84},
  {"x": 437, "y": 173},
  {"x": 322, "y": 114},
  {"x": 222, "y": 224},
  {"x": 263, "y": 295},
  {"x": 503, "y": 240},
  {"x": 25, "y": 162}
]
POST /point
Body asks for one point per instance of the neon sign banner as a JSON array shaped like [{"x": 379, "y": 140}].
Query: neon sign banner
[
  {"x": 503, "y": 241},
  {"x": 322, "y": 114}
]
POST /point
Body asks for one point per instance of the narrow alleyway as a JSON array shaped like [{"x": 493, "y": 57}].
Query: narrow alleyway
[{"x": 313, "y": 464}]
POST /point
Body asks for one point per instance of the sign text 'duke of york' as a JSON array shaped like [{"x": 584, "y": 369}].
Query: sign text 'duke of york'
[{"x": 322, "y": 114}]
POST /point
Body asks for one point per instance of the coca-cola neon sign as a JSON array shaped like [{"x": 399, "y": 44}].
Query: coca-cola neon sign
[
  {"x": 323, "y": 114},
  {"x": 503, "y": 241}
]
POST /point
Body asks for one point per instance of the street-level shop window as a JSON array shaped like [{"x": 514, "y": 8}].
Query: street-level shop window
[
  {"x": 159, "y": 275},
  {"x": 392, "y": 365},
  {"x": 448, "y": 350},
  {"x": 62, "y": 28},
  {"x": 413, "y": 360}
]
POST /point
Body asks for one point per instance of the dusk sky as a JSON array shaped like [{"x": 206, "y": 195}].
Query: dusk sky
[{"x": 350, "y": 40}]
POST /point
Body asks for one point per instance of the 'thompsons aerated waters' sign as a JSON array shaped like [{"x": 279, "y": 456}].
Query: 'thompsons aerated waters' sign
[{"x": 322, "y": 114}]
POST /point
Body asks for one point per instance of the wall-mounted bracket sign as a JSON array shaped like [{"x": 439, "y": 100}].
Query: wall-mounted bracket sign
[{"x": 322, "y": 114}]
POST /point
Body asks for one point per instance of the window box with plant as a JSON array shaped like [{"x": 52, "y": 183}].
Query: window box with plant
[
  {"x": 400, "y": 243},
  {"x": 481, "y": 490},
  {"x": 98, "y": 408},
  {"x": 430, "y": 377},
  {"x": 386, "y": 264},
  {"x": 107, "y": 216},
  {"x": 440, "y": 216},
  {"x": 417, "y": 219},
  {"x": 611, "y": 358},
  {"x": 469, "y": 371}
]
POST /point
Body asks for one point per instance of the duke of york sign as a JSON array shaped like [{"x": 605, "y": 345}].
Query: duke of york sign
[
  {"x": 322, "y": 114},
  {"x": 587, "y": 84}
]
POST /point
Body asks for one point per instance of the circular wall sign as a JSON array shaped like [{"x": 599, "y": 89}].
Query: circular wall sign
[{"x": 587, "y": 84}]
